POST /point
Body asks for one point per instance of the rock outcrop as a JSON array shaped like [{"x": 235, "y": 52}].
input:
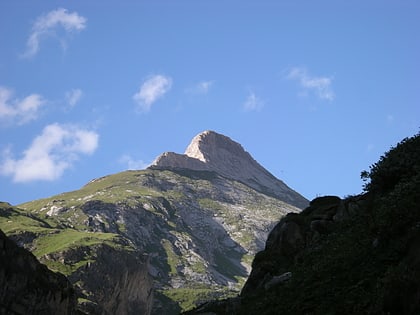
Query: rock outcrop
[
  {"x": 296, "y": 234},
  {"x": 29, "y": 287},
  {"x": 215, "y": 152}
]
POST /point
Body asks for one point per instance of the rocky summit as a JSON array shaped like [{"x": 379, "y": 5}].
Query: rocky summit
[
  {"x": 215, "y": 152},
  {"x": 160, "y": 240}
]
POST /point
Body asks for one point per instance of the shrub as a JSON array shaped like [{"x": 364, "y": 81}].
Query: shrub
[{"x": 400, "y": 163}]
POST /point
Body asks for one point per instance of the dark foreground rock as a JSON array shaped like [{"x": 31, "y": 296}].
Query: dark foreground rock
[
  {"x": 29, "y": 287},
  {"x": 358, "y": 255}
]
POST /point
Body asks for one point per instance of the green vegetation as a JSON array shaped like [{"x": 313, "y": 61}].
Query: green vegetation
[
  {"x": 66, "y": 269},
  {"x": 188, "y": 298},
  {"x": 207, "y": 203},
  {"x": 199, "y": 267},
  {"x": 17, "y": 222},
  {"x": 400, "y": 165},
  {"x": 172, "y": 258},
  {"x": 113, "y": 189},
  {"x": 60, "y": 241},
  {"x": 68, "y": 238},
  {"x": 52, "y": 237}
]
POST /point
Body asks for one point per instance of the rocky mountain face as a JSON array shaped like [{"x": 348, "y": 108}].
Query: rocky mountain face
[
  {"x": 160, "y": 240},
  {"x": 28, "y": 287},
  {"x": 215, "y": 152},
  {"x": 358, "y": 255}
]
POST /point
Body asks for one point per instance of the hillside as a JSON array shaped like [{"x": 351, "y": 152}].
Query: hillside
[
  {"x": 159, "y": 240},
  {"x": 358, "y": 255}
]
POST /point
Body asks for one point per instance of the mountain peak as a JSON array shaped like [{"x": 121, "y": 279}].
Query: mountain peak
[
  {"x": 212, "y": 151},
  {"x": 207, "y": 145},
  {"x": 194, "y": 149},
  {"x": 216, "y": 150}
]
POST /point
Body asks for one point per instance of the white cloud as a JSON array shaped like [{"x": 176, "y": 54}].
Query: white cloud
[
  {"x": 73, "y": 97},
  {"x": 320, "y": 85},
  {"x": 253, "y": 103},
  {"x": 133, "y": 164},
  {"x": 50, "y": 153},
  {"x": 151, "y": 90},
  {"x": 16, "y": 110},
  {"x": 46, "y": 25}
]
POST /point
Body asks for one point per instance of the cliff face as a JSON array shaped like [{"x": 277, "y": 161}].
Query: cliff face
[
  {"x": 117, "y": 282},
  {"x": 215, "y": 152},
  {"x": 28, "y": 287}
]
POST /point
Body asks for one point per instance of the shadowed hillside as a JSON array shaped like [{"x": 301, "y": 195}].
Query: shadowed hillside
[
  {"x": 360, "y": 255},
  {"x": 28, "y": 287}
]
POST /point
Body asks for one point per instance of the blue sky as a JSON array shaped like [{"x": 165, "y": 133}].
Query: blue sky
[{"x": 316, "y": 91}]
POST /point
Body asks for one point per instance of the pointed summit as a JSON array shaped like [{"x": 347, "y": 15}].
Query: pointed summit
[
  {"x": 212, "y": 151},
  {"x": 210, "y": 147}
]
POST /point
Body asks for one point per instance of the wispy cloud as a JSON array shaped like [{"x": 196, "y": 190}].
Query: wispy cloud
[
  {"x": 151, "y": 90},
  {"x": 73, "y": 97},
  {"x": 50, "y": 154},
  {"x": 133, "y": 164},
  {"x": 18, "y": 111},
  {"x": 320, "y": 85},
  {"x": 253, "y": 103},
  {"x": 202, "y": 87},
  {"x": 45, "y": 26}
]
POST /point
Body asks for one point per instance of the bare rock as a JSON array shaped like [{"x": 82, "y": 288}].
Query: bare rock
[
  {"x": 117, "y": 282},
  {"x": 286, "y": 238}
]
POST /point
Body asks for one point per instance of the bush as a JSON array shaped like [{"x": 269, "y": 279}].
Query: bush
[{"x": 400, "y": 163}]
